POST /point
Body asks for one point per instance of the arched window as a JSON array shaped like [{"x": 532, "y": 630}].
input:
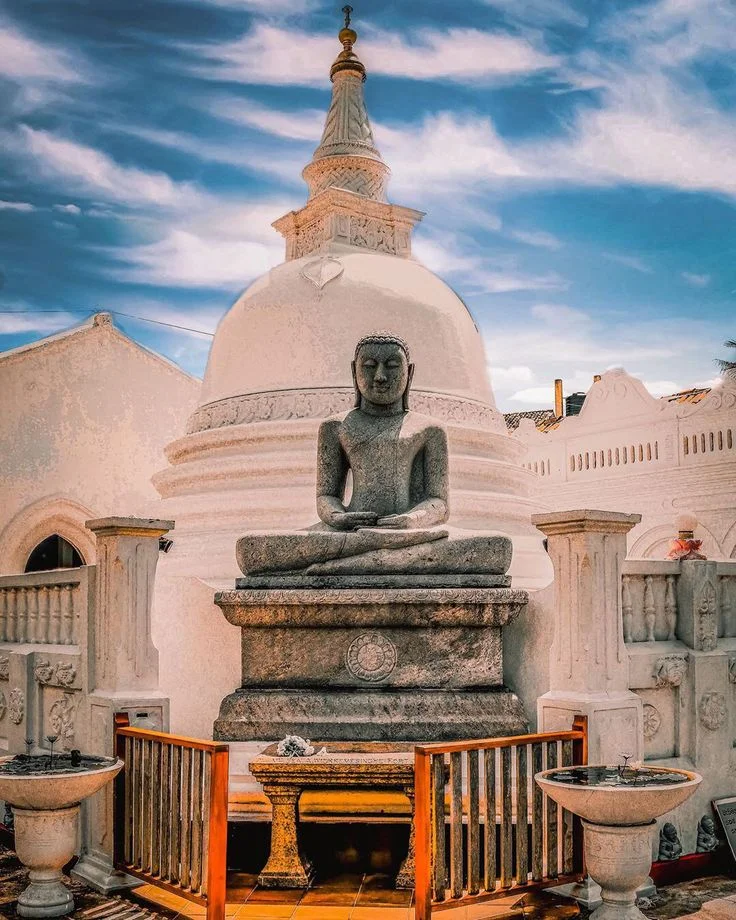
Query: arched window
[{"x": 54, "y": 553}]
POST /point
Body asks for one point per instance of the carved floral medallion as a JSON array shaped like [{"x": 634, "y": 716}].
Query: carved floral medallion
[
  {"x": 371, "y": 657},
  {"x": 61, "y": 718},
  {"x": 712, "y": 710},
  {"x": 652, "y": 721},
  {"x": 670, "y": 671}
]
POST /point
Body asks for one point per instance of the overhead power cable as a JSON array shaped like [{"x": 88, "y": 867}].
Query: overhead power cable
[{"x": 143, "y": 319}]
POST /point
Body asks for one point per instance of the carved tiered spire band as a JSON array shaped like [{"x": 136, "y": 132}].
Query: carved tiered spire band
[
  {"x": 347, "y": 156},
  {"x": 347, "y": 178}
]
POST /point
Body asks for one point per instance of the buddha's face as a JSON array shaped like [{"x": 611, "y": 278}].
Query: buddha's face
[
  {"x": 708, "y": 825},
  {"x": 381, "y": 372},
  {"x": 670, "y": 832}
]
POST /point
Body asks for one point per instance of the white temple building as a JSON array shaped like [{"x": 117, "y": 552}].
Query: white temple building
[{"x": 629, "y": 451}]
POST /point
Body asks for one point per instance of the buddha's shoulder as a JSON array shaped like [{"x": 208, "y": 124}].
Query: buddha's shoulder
[{"x": 415, "y": 421}]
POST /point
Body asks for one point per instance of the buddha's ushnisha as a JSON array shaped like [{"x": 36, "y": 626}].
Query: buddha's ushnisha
[{"x": 398, "y": 498}]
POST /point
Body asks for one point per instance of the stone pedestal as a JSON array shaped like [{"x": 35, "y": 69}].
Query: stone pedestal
[
  {"x": 398, "y": 664},
  {"x": 589, "y": 665},
  {"x": 44, "y": 841}
]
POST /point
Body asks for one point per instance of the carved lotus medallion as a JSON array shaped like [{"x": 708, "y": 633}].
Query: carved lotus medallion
[{"x": 371, "y": 657}]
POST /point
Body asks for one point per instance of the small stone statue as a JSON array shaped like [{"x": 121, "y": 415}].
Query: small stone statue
[
  {"x": 707, "y": 839},
  {"x": 391, "y": 520},
  {"x": 669, "y": 843}
]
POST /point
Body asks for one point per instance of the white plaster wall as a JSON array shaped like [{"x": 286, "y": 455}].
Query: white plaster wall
[
  {"x": 664, "y": 479},
  {"x": 85, "y": 417}
]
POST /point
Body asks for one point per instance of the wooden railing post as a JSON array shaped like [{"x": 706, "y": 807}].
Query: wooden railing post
[
  {"x": 579, "y": 758},
  {"x": 422, "y": 824},
  {"x": 120, "y": 720},
  {"x": 217, "y": 848}
]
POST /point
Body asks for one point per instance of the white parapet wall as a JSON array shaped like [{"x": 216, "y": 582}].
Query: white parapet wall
[{"x": 628, "y": 451}]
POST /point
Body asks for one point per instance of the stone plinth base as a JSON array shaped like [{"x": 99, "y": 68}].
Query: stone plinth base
[
  {"x": 370, "y": 715},
  {"x": 363, "y": 664},
  {"x": 614, "y": 721}
]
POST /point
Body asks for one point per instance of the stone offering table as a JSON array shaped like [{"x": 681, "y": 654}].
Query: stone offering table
[
  {"x": 369, "y": 664},
  {"x": 374, "y": 766}
]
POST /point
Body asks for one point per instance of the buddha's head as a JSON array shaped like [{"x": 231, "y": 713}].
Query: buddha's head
[
  {"x": 708, "y": 824},
  {"x": 669, "y": 832},
  {"x": 382, "y": 371}
]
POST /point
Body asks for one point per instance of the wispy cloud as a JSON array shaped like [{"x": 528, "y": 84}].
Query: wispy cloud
[
  {"x": 268, "y": 54},
  {"x": 698, "y": 281},
  {"x": 634, "y": 262},
  {"x": 24, "y": 206},
  {"x": 24, "y": 58},
  {"x": 301, "y": 124},
  {"x": 539, "y": 238},
  {"x": 86, "y": 169}
]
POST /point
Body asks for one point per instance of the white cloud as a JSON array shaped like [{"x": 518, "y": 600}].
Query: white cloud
[
  {"x": 38, "y": 322},
  {"x": 556, "y": 313},
  {"x": 634, "y": 262},
  {"x": 508, "y": 378},
  {"x": 662, "y": 387},
  {"x": 183, "y": 259},
  {"x": 502, "y": 282},
  {"x": 537, "y": 397},
  {"x": 302, "y": 125},
  {"x": 16, "y": 206},
  {"x": 699, "y": 281},
  {"x": 536, "y": 12},
  {"x": 88, "y": 170},
  {"x": 539, "y": 238},
  {"x": 23, "y": 58},
  {"x": 272, "y": 55},
  {"x": 68, "y": 208}
]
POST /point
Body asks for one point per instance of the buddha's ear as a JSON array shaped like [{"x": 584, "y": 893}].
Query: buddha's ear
[
  {"x": 405, "y": 397},
  {"x": 356, "y": 404}
]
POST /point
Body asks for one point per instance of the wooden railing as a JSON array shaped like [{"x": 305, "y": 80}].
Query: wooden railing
[
  {"x": 171, "y": 814},
  {"x": 504, "y": 834}
]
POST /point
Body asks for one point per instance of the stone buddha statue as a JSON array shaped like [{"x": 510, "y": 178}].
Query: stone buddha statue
[{"x": 382, "y": 495}]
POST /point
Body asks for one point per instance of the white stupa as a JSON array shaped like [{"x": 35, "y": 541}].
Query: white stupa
[{"x": 280, "y": 363}]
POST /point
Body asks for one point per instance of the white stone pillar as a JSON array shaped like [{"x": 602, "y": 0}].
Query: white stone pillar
[
  {"x": 589, "y": 665},
  {"x": 123, "y": 671}
]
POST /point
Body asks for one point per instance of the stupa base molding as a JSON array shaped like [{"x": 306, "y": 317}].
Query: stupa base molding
[{"x": 370, "y": 715}]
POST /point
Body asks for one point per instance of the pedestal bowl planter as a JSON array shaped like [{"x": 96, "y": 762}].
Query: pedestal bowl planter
[
  {"x": 45, "y": 793},
  {"x": 619, "y": 807}
]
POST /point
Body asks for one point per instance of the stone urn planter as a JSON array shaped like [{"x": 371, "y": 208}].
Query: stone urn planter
[
  {"x": 619, "y": 807},
  {"x": 44, "y": 793}
]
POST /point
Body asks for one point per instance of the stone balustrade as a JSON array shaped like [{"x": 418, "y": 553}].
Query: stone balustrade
[
  {"x": 43, "y": 607},
  {"x": 657, "y": 602}
]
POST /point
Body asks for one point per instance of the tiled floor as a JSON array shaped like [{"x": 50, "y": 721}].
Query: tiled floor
[{"x": 348, "y": 897}]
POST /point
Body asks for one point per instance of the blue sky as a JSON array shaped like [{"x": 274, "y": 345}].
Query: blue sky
[{"x": 576, "y": 160}]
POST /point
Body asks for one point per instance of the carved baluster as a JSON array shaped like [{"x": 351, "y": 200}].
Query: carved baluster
[
  {"x": 670, "y": 606},
  {"x": 627, "y": 608},
  {"x": 43, "y": 614},
  {"x": 21, "y": 624},
  {"x": 3, "y": 614},
  {"x": 67, "y": 615},
  {"x": 649, "y": 607},
  {"x": 32, "y": 609},
  {"x": 55, "y": 614},
  {"x": 11, "y": 615}
]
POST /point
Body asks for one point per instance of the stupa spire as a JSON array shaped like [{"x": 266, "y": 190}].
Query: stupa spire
[{"x": 347, "y": 156}]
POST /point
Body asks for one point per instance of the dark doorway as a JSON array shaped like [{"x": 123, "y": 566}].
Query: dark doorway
[{"x": 54, "y": 553}]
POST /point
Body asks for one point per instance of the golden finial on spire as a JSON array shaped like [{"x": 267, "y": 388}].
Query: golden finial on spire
[{"x": 347, "y": 59}]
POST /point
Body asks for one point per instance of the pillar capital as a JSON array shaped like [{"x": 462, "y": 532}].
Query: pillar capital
[
  {"x": 129, "y": 527},
  {"x": 584, "y": 520}
]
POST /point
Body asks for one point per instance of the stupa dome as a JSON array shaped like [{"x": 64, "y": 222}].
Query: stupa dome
[
  {"x": 280, "y": 364},
  {"x": 287, "y": 333}
]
